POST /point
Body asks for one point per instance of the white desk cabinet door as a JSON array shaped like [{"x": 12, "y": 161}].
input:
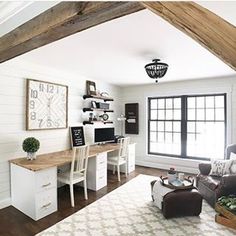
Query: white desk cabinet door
[
  {"x": 97, "y": 172},
  {"x": 32, "y": 191}
]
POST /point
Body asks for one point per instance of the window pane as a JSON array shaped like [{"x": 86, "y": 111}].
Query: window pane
[
  {"x": 219, "y": 101},
  {"x": 168, "y": 126},
  {"x": 209, "y": 102},
  {"x": 200, "y": 114},
  {"x": 153, "y": 114},
  {"x": 161, "y": 114},
  {"x": 209, "y": 141},
  {"x": 177, "y": 103},
  {"x": 153, "y": 126},
  {"x": 160, "y": 126},
  {"x": 191, "y": 102},
  {"x": 169, "y": 114},
  {"x": 177, "y": 138},
  {"x": 160, "y": 136},
  {"x": 200, "y": 102},
  {"x": 153, "y": 136},
  {"x": 210, "y": 114},
  {"x": 191, "y": 138},
  {"x": 177, "y": 115},
  {"x": 154, "y": 104},
  {"x": 161, "y": 103},
  {"x": 199, "y": 127},
  {"x": 191, "y": 127},
  {"x": 168, "y": 137},
  {"x": 169, "y": 103},
  {"x": 176, "y": 126},
  {"x": 220, "y": 113},
  {"x": 191, "y": 114}
]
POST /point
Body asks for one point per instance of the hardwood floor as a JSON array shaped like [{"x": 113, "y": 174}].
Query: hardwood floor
[{"x": 15, "y": 223}]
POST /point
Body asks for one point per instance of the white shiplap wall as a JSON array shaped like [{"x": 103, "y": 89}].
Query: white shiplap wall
[
  {"x": 13, "y": 76},
  {"x": 202, "y": 86}
]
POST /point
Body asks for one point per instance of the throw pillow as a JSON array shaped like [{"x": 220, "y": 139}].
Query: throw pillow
[
  {"x": 233, "y": 166},
  {"x": 220, "y": 167}
]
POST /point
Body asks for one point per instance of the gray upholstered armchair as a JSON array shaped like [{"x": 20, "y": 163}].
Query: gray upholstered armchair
[{"x": 212, "y": 187}]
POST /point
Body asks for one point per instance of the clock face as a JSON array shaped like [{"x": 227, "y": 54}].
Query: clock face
[{"x": 46, "y": 105}]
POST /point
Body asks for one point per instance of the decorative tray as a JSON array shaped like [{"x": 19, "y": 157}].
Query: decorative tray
[{"x": 187, "y": 183}]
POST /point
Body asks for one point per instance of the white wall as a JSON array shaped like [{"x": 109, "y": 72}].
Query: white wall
[
  {"x": 13, "y": 76},
  {"x": 203, "y": 86}
]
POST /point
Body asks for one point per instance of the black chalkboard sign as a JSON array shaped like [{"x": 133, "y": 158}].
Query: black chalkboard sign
[
  {"x": 77, "y": 136},
  {"x": 132, "y": 119}
]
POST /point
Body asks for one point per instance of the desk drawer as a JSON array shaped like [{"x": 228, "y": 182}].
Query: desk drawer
[
  {"x": 101, "y": 161},
  {"x": 46, "y": 203},
  {"x": 46, "y": 179},
  {"x": 101, "y": 179}
]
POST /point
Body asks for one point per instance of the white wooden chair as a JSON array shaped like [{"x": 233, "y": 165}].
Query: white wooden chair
[
  {"x": 121, "y": 159},
  {"x": 77, "y": 172}
]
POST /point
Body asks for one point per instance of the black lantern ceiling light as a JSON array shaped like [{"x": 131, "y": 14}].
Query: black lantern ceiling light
[{"x": 156, "y": 69}]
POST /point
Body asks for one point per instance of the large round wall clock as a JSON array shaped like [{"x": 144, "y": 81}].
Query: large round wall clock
[{"x": 46, "y": 105}]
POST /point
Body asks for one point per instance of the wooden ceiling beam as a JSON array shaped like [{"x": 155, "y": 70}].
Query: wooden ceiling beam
[
  {"x": 205, "y": 27},
  {"x": 60, "y": 21}
]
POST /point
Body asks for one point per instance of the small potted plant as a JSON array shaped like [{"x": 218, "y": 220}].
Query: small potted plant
[{"x": 31, "y": 146}]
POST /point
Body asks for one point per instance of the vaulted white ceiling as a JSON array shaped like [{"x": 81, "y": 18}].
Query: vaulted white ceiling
[{"x": 117, "y": 51}]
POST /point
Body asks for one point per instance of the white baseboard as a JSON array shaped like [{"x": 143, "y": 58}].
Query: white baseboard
[
  {"x": 166, "y": 166},
  {"x": 5, "y": 203}
]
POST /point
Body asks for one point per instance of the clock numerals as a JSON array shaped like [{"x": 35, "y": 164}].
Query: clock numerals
[
  {"x": 49, "y": 123},
  {"x": 33, "y": 115},
  {"x": 41, "y": 87},
  {"x": 32, "y": 104},
  {"x": 33, "y": 93},
  {"x": 56, "y": 123},
  {"x": 50, "y": 88},
  {"x": 40, "y": 122}
]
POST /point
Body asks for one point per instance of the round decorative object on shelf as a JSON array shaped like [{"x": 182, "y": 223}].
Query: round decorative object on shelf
[{"x": 105, "y": 117}]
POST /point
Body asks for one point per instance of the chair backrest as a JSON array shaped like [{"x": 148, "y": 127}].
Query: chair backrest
[
  {"x": 79, "y": 160},
  {"x": 123, "y": 150},
  {"x": 230, "y": 148}
]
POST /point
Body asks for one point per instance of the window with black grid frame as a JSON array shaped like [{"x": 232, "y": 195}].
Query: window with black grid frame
[{"x": 187, "y": 126}]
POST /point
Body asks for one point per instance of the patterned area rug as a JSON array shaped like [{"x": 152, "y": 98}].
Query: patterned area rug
[{"x": 129, "y": 210}]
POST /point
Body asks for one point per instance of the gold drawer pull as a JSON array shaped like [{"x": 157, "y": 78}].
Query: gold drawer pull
[
  {"x": 46, "y": 205},
  {"x": 46, "y": 185}
]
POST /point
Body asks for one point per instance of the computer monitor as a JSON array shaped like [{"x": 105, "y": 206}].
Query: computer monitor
[{"x": 102, "y": 135}]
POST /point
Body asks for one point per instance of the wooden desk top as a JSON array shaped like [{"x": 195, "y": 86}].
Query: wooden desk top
[{"x": 45, "y": 161}]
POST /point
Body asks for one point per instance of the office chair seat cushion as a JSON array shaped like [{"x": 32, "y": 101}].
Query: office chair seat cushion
[
  {"x": 113, "y": 161},
  {"x": 65, "y": 177}
]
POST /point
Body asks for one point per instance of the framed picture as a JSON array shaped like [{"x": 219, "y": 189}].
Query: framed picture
[
  {"x": 91, "y": 87},
  {"x": 46, "y": 105},
  {"x": 93, "y": 104}
]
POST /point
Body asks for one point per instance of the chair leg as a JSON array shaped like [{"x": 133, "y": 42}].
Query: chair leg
[
  {"x": 85, "y": 189},
  {"x": 72, "y": 195},
  {"x": 126, "y": 169},
  {"x": 114, "y": 169},
  {"x": 118, "y": 172}
]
